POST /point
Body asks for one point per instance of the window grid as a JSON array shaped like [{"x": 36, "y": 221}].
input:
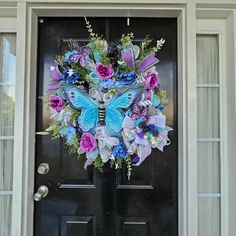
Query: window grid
[{"x": 200, "y": 85}]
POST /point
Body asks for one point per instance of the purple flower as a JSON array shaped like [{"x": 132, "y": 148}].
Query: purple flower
[
  {"x": 120, "y": 151},
  {"x": 88, "y": 143},
  {"x": 56, "y": 103},
  {"x": 104, "y": 72},
  {"x": 151, "y": 80}
]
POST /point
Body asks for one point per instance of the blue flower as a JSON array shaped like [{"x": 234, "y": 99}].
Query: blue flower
[
  {"x": 107, "y": 84},
  {"x": 69, "y": 132},
  {"x": 68, "y": 54},
  {"x": 69, "y": 76},
  {"x": 120, "y": 151},
  {"x": 127, "y": 78}
]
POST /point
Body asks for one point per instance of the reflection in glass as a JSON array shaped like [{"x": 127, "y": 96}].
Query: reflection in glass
[
  {"x": 5, "y": 215},
  {"x": 6, "y": 164},
  {"x": 209, "y": 167},
  {"x": 207, "y": 59}
]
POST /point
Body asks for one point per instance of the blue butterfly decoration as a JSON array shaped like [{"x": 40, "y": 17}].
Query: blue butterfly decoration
[{"x": 89, "y": 108}]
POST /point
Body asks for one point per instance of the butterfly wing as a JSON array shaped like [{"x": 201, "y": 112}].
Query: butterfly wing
[
  {"x": 115, "y": 117},
  {"x": 88, "y": 118}
]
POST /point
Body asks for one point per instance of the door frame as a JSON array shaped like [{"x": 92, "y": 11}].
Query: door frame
[{"x": 27, "y": 20}]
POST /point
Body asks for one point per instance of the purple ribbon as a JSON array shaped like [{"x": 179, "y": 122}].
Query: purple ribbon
[
  {"x": 81, "y": 56},
  {"x": 128, "y": 57},
  {"x": 53, "y": 85},
  {"x": 55, "y": 73},
  {"x": 148, "y": 62}
]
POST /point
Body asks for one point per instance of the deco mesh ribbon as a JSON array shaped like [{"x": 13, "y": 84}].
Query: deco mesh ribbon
[{"x": 106, "y": 102}]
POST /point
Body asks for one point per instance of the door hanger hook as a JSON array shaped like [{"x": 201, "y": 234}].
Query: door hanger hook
[{"x": 128, "y": 21}]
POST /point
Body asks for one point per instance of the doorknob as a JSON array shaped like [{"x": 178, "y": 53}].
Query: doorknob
[
  {"x": 42, "y": 192},
  {"x": 43, "y": 168}
]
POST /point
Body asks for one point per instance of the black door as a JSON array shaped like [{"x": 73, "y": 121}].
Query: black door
[{"x": 88, "y": 203}]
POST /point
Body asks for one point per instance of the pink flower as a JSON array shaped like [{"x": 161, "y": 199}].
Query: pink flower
[
  {"x": 104, "y": 72},
  {"x": 151, "y": 80},
  {"x": 56, "y": 103},
  {"x": 88, "y": 143}
]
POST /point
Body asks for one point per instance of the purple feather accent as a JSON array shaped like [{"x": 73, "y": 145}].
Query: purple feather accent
[
  {"x": 135, "y": 160},
  {"x": 151, "y": 127},
  {"x": 141, "y": 134}
]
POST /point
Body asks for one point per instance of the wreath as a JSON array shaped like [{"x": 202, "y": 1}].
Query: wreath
[{"x": 106, "y": 102}]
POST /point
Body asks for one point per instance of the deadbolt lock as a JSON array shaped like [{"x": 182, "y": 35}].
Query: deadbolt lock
[{"x": 43, "y": 168}]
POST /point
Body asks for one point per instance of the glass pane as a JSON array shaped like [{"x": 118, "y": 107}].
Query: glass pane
[
  {"x": 7, "y": 107},
  {"x": 7, "y": 83},
  {"x": 207, "y": 59},
  {"x": 208, "y": 112},
  {"x": 209, "y": 167},
  {"x": 5, "y": 215},
  {"x": 209, "y": 216},
  {"x": 8, "y": 58},
  {"x": 6, "y": 164}
]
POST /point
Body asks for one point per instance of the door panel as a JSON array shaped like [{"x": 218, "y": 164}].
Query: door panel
[{"x": 86, "y": 202}]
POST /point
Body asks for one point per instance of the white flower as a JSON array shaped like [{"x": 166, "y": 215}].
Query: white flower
[{"x": 70, "y": 72}]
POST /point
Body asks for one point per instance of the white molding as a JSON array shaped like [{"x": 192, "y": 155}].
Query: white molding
[
  {"x": 208, "y": 85},
  {"x": 191, "y": 124},
  {"x": 218, "y": 27},
  {"x": 208, "y": 139},
  {"x": 18, "y": 164},
  {"x": 231, "y": 118},
  {"x": 209, "y": 195}
]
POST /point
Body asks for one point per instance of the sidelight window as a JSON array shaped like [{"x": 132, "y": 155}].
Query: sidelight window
[
  {"x": 209, "y": 135},
  {"x": 7, "y": 103}
]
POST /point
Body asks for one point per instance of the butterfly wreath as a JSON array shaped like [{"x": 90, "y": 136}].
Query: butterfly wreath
[
  {"x": 94, "y": 113},
  {"x": 106, "y": 102}
]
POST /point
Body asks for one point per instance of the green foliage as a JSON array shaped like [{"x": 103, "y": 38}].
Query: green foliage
[
  {"x": 112, "y": 163},
  {"x": 60, "y": 59},
  {"x": 92, "y": 35},
  {"x": 119, "y": 162},
  {"x": 162, "y": 94},
  {"x": 74, "y": 115},
  {"x": 98, "y": 164},
  {"x": 126, "y": 39},
  {"x": 54, "y": 129},
  {"x": 97, "y": 44},
  {"x": 129, "y": 166},
  {"x": 146, "y": 47},
  {"x": 73, "y": 145},
  {"x": 45, "y": 100},
  {"x": 124, "y": 68}
]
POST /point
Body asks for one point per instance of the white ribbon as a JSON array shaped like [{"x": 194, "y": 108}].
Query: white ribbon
[{"x": 105, "y": 143}]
